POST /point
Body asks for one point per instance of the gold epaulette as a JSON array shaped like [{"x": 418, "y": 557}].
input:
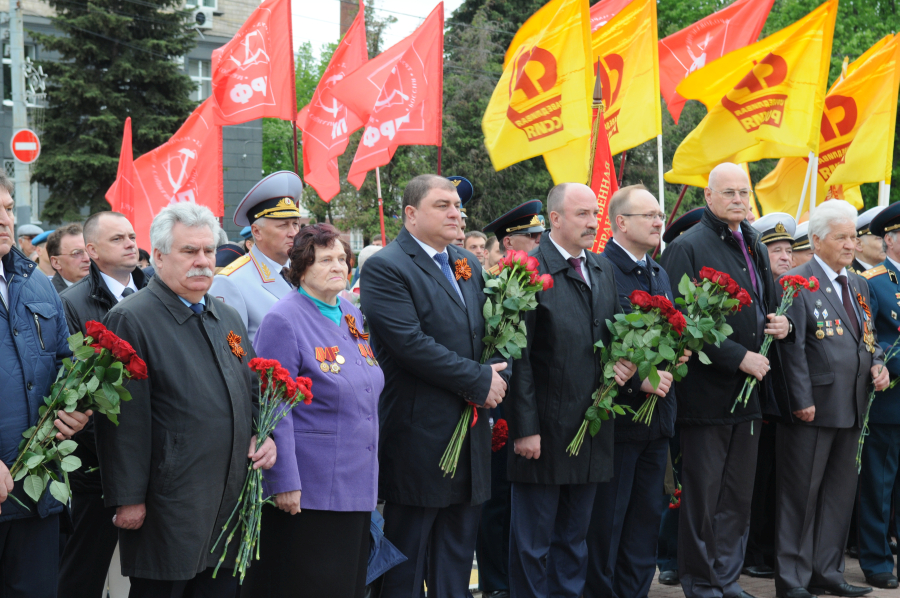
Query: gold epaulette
[
  {"x": 494, "y": 270},
  {"x": 873, "y": 272},
  {"x": 230, "y": 268}
]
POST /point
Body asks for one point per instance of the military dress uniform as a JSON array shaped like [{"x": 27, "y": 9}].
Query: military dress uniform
[
  {"x": 881, "y": 451},
  {"x": 862, "y": 229},
  {"x": 254, "y": 282},
  {"x": 520, "y": 220}
]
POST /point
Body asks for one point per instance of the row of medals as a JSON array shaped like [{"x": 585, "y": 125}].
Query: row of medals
[
  {"x": 868, "y": 337},
  {"x": 335, "y": 366}
]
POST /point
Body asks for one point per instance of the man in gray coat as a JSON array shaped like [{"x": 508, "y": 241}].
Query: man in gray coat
[
  {"x": 833, "y": 360},
  {"x": 175, "y": 464}
]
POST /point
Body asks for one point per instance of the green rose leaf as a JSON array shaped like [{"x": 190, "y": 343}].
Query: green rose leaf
[
  {"x": 682, "y": 370},
  {"x": 594, "y": 427},
  {"x": 59, "y": 491},
  {"x": 75, "y": 341},
  {"x": 703, "y": 358},
  {"x": 32, "y": 460},
  {"x": 34, "y": 487},
  {"x": 654, "y": 377},
  {"x": 513, "y": 350},
  {"x": 667, "y": 352},
  {"x": 66, "y": 447},
  {"x": 644, "y": 370},
  {"x": 82, "y": 353},
  {"x": 70, "y": 463}
]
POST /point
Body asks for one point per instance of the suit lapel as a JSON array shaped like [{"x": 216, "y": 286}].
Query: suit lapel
[
  {"x": 854, "y": 290},
  {"x": 835, "y": 297},
  {"x": 595, "y": 271},
  {"x": 428, "y": 265}
]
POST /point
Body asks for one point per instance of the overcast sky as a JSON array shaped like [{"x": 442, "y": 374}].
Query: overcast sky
[{"x": 318, "y": 21}]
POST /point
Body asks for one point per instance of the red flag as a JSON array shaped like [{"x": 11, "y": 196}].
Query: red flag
[
  {"x": 188, "y": 167},
  {"x": 603, "y": 173},
  {"x": 121, "y": 195},
  {"x": 253, "y": 74},
  {"x": 722, "y": 32},
  {"x": 604, "y": 10},
  {"x": 399, "y": 93},
  {"x": 327, "y": 123}
]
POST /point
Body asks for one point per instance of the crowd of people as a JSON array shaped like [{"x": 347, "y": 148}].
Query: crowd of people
[{"x": 706, "y": 491}]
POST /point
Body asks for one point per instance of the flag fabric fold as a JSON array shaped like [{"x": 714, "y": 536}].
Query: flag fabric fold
[
  {"x": 399, "y": 96},
  {"x": 707, "y": 40},
  {"x": 856, "y": 136},
  {"x": 764, "y": 100},
  {"x": 121, "y": 195},
  {"x": 253, "y": 74},
  {"x": 542, "y": 101},
  {"x": 326, "y": 123},
  {"x": 603, "y": 178},
  {"x": 188, "y": 167}
]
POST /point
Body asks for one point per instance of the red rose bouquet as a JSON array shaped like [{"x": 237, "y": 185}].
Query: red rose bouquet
[
  {"x": 93, "y": 379},
  {"x": 499, "y": 435},
  {"x": 278, "y": 394},
  {"x": 707, "y": 303},
  {"x": 791, "y": 285},
  {"x": 509, "y": 293}
]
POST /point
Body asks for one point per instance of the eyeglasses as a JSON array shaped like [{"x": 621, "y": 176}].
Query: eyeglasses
[
  {"x": 651, "y": 216},
  {"x": 75, "y": 253},
  {"x": 731, "y": 193}
]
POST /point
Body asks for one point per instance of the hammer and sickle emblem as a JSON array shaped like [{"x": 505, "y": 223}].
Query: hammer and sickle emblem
[
  {"x": 843, "y": 126},
  {"x": 612, "y": 63},
  {"x": 184, "y": 156},
  {"x": 523, "y": 81},
  {"x": 769, "y": 72}
]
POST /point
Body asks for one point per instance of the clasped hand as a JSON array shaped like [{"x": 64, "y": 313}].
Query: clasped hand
[{"x": 498, "y": 386}]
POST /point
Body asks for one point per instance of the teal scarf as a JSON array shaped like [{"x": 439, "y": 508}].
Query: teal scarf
[{"x": 332, "y": 312}]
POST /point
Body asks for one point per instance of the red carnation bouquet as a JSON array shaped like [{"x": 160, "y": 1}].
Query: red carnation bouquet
[
  {"x": 791, "y": 285},
  {"x": 707, "y": 303},
  {"x": 509, "y": 293},
  {"x": 278, "y": 394},
  {"x": 499, "y": 435},
  {"x": 93, "y": 379}
]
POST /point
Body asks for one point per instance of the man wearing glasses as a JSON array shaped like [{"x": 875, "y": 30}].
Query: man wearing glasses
[
  {"x": 718, "y": 446},
  {"x": 65, "y": 246},
  {"x": 518, "y": 229}
]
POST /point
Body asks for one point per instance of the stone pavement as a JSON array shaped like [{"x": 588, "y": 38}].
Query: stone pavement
[{"x": 765, "y": 588}]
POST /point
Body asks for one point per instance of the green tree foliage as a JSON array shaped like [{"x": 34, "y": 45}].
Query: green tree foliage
[{"x": 117, "y": 59}]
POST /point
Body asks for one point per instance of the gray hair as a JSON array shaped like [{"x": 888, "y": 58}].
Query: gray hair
[
  {"x": 187, "y": 213},
  {"x": 222, "y": 238},
  {"x": 833, "y": 210},
  {"x": 555, "y": 198},
  {"x": 893, "y": 235}
]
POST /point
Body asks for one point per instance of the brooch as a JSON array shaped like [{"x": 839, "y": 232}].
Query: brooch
[
  {"x": 234, "y": 341},
  {"x": 351, "y": 324},
  {"x": 461, "y": 269}
]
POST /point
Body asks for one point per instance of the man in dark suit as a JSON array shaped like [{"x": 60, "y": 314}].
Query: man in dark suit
[
  {"x": 627, "y": 511},
  {"x": 550, "y": 391},
  {"x": 881, "y": 452},
  {"x": 717, "y": 446},
  {"x": 65, "y": 248},
  {"x": 829, "y": 364},
  {"x": 427, "y": 326}
]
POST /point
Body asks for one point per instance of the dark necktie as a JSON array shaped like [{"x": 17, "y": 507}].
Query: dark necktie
[
  {"x": 576, "y": 263},
  {"x": 444, "y": 262},
  {"x": 740, "y": 239},
  {"x": 284, "y": 274},
  {"x": 848, "y": 303},
  {"x": 127, "y": 291},
  {"x": 197, "y": 308}
]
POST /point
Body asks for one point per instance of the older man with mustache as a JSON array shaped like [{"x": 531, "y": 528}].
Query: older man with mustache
[{"x": 174, "y": 466}]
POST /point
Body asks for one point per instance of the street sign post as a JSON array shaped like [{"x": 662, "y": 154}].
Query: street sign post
[{"x": 25, "y": 145}]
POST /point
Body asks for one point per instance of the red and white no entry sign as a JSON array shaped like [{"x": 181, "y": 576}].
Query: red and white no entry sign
[{"x": 26, "y": 147}]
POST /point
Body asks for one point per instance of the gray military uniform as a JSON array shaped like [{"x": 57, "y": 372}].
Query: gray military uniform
[{"x": 251, "y": 285}]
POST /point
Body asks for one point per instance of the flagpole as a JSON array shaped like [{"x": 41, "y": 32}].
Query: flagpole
[
  {"x": 884, "y": 194},
  {"x": 296, "y": 166},
  {"x": 439, "y": 163},
  {"x": 622, "y": 167},
  {"x": 814, "y": 177},
  {"x": 805, "y": 185},
  {"x": 380, "y": 205},
  {"x": 662, "y": 183}
]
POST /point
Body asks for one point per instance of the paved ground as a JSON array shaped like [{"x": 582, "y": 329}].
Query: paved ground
[{"x": 765, "y": 588}]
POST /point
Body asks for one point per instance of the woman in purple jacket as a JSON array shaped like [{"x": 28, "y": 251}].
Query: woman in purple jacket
[{"x": 328, "y": 450}]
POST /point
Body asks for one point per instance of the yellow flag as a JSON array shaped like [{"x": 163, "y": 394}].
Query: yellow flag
[
  {"x": 764, "y": 100},
  {"x": 543, "y": 99},
  {"x": 856, "y": 135}
]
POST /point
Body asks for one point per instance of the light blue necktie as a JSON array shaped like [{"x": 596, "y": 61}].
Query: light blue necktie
[
  {"x": 642, "y": 263},
  {"x": 444, "y": 262},
  {"x": 197, "y": 308}
]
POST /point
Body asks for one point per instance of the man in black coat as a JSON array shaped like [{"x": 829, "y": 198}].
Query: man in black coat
[
  {"x": 427, "y": 326},
  {"x": 717, "y": 446},
  {"x": 625, "y": 523},
  {"x": 174, "y": 466},
  {"x": 550, "y": 391},
  {"x": 110, "y": 242}
]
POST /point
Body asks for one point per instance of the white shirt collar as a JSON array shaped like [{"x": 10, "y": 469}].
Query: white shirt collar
[
  {"x": 115, "y": 287},
  {"x": 431, "y": 251},
  {"x": 566, "y": 255},
  {"x": 896, "y": 265},
  {"x": 68, "y": 284},
  {"x": 631, "y": 255},
  {"x": 864, "y": 265},
  {"x": 831, "y": 274}
]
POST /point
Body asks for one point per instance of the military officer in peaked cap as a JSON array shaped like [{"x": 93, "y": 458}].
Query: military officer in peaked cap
[
  {"x": 869, "y": 250},
  {"x": 881, "y": 451},
  {"x": 801, "y": 250},
  {"x": 254, "y": 282},
  {"x": 518, "y": 229},
  {"x": 465, "y": 190}
]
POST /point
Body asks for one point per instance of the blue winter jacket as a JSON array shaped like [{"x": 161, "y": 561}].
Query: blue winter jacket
[{"x": 33, "y": 342}]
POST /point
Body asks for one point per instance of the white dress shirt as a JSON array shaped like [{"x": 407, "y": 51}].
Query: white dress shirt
[
  {"x": 566, "y": 255},
  {"x": 832, "y": 277},
  {"x": 631, "y": 255},
  {"x": 4, "y": 290},
  {"x": 431, "y": 251},
  {"x": 115, "y": 287}
]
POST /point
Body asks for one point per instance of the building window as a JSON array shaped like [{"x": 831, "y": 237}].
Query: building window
[
  {"x": 204, "y": 3},
  {"x": 356, "y": 240},
  {"x": 7, "y": 70},
  {"x": 200, "y": 72}
]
